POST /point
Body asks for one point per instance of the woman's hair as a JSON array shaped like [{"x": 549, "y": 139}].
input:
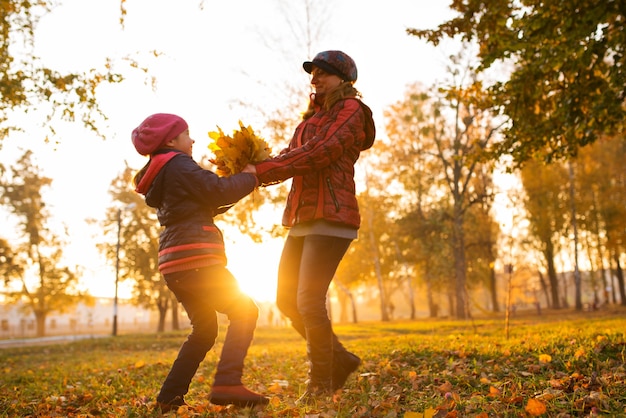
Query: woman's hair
[{"x": 340, "y": 92}]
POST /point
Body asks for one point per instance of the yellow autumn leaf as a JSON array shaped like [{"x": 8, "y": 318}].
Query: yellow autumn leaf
[
  {"x": 535, "y": 408},
  {"x": 275, "y": 388},
  {"x": 579, "y": 353},
  {"x": 545, "y": 358},
  {"x": 216, "y": 135},
  {"x": 275, "y": 401},
  {"x": 139, "y": 364},
  {"x": 233, "y": 153},
  {"x": 428, "y": 413},
  {"x": 493, "y": 391}
]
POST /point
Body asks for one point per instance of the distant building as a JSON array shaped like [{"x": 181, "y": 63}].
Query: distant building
[{"x": 82, "y": 319}]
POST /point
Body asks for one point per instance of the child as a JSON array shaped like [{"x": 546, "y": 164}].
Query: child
[{"x": 192, "y": 258}]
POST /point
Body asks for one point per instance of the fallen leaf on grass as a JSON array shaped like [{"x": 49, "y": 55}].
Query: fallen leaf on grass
[
  {"x": 494, "y": 392},
  {"x": 535, "y": 407},
  {"x": 275, "y": 388},
  {"x": 514, "y": 400},
  {"x": 275, "y": 401},
  {"x": 545, "y": 358},
  {"x": 579, "y": 353},
  {"x": 428, "y": 413},
  {"x": 593, "y": 400},
  {"x": 445, "y": 387},
  {"x": 549, "y": 394}
]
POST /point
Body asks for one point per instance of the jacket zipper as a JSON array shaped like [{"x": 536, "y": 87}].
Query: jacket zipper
[{"x": 332, "y": 193}]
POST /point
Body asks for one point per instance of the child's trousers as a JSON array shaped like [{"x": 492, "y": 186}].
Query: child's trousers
[{"x": 204, "y": 292}]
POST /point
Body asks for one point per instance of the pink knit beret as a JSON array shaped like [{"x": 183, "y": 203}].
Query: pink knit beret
[{"x": 156, "y": 130}]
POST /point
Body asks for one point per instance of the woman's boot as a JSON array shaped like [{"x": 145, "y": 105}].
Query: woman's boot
[
  {"x": 344, "y": 363},
  {"x": 320, "y": 352}
]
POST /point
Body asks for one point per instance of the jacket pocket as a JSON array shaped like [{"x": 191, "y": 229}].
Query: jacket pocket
[{"x": 332, "y": 194}]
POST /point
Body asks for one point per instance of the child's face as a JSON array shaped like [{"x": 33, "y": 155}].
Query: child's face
[{"x": 183, "y": 142}]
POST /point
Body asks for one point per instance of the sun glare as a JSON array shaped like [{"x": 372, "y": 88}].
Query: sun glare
[{"x": 255, "y": 267}]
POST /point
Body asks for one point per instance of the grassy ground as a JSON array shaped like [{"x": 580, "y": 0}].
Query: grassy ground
[{"x": 562, "y": 364}]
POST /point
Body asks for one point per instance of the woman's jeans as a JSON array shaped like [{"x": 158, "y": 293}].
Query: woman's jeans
[
  {"x": 204, "y": 292},
  {"x": 306, "y": 268}
]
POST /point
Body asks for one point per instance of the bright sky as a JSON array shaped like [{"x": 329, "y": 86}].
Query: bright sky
[{"x": 214, "y": 53}]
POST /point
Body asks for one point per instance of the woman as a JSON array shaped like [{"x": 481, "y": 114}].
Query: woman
[{"x": 321, "y": 212}]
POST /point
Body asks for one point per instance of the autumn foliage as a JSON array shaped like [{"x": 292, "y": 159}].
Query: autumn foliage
[
  {"x": 553, "y": 366},
  {"x": 234, "y": 152}
]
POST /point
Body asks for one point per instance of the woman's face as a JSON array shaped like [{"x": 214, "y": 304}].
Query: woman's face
[{"x": 322, "y": 81}]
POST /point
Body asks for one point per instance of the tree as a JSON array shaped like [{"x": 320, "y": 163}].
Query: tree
[
  {"x": 601, "y": 189},
  {"x": 138, "y": 246},
  {"x": 427, "y": 245},
  {"x": 481, "y": 231},
  {"x": 546, "y": 188},
  {"x": 451, "y": 130},
  {"x": 26, "y": 84},
  {"x": 567, "y": 84},
  {"x": 45, "y": 285},
  {"x": 10, "y": 267},
  {"x": 409, "y": 182}
]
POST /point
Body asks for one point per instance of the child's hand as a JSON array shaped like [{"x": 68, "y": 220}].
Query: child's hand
[{"x": 249, "y": 168}]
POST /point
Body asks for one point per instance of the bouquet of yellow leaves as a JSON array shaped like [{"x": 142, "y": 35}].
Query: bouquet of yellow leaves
[{"x": 233, "y": 153}]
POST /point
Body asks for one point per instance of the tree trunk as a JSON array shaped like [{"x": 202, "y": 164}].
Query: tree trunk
[
  {"x": 347, "y": 294},
  {"x": 40, "y": 321},
  {"x": 433, "y": 309},
  {"x": 620, "y": 280},
  {"x": 544, "y": 288},
  {"x": 600, "y": 252},
  {"x": 411, "y": 297},
  {"x": 451, "y": 301},
  {"x": 593, "y": 271},
  {"x": 577, "y": 281},
  {"x": 458, "y": 246},
  {"x": 175, "y": 322},
  {"x": 409, "y": 282},
  {"x": 552, "y": 277},
  {"x": 493, "y": 290},
  {"x": 353, "y": 304},
  {"x": 379, "y": 276},
  {"x": 564, "y": 302},
  {"x": 162, "y": 306}
]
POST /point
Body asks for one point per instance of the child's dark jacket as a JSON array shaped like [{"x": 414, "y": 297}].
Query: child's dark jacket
[{"x": 187, "y": 197}]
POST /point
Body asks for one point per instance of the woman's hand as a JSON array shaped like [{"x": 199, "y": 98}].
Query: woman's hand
[{"x": 249, "y": 169}]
